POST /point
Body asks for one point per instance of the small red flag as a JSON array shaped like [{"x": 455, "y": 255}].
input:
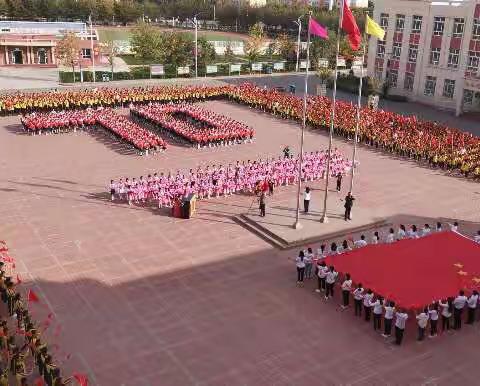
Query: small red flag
[
  {"x": 349, "y": 25},
  {"x": 32, "y": 296},
  {"x": 39, "y": 382},
  {"x": 81, "y": 379}
]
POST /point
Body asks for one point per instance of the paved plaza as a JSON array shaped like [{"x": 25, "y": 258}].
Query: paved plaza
[{"x": 142, "y": 299}]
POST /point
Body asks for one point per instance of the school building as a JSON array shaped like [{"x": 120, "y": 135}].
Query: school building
[{"x": 430, "y": 53}]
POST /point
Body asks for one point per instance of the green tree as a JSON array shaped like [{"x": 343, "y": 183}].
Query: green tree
[
  {"x": 285, "y": 46},
  {"x": 67, "y": 51},
  {"x": 127, "y": 10},
  {"x": 110, "y": 49},
  {"x": 255, "y": 42},
  {"x": 146, "y": 42},
  {"x": 3, "y": 8},
  {"x": 206, "y": 52},
  {"x": 229, "y": 55}
]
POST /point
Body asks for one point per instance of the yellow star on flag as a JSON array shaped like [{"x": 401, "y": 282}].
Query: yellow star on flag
[
  {"x": 476, "y": 280},
  {"x": 458, "y": 265},
  {"x": 463, "y": 273}
]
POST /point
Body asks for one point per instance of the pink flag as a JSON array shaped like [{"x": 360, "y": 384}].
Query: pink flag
[{"x": 315, "y": 28}]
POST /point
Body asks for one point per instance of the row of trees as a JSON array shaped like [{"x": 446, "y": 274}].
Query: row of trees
[{"x": 228, "y": 12}]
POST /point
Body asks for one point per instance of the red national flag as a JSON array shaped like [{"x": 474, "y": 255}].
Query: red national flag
[
  {"x": 32, "y": 297},
  {"x": 81, "y": 379},
  {"x": 349, "y": 25}
]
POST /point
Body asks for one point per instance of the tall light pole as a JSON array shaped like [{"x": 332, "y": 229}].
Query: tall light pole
[
  {"x": 298, "y": 22},
  {"x": 196, "y": 45}
]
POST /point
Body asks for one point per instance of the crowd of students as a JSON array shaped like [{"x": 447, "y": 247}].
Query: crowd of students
[
  {"x": 440, "y": 145},
  {"x": 194, "y": 124},
  {"x": 220, "y": 180},
  {"x": 121, "y": 127},
  {"x": 374, "y": 306},
  {"x": 21, "y": 343}
]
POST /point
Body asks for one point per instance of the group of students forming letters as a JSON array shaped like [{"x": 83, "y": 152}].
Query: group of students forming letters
[{"x": 375, "y": 307}]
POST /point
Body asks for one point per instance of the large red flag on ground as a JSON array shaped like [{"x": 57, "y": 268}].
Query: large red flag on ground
[
  {"x": 32, "y": 296},
  {"x": 81, "y": 379},
  {"x": 349, "y": 25}
]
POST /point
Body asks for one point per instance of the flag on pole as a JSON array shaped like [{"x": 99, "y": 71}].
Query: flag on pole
[
  {"x": 315, "y": 28},
  {"x": 81, "y": 379},
  {"x": 349, "y": 25},
  {"x": 372, "y": 28}
]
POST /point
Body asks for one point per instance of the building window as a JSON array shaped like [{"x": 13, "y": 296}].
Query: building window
[
  {"x": 468, "y": 97},
  {"x": 438, "y": 25},
  {"x": 430, "y": 84},
  {"x": 476, "y": 29},
  {"x": 380, "y": 49},
  {"x": 392, "y": 78},
  {"x": 458, "y": 26},
  {"x": 384, "y": 20},
  {"x": 400, "y": 23},
  {"x": 448, "y": 88},
  {"x": 473, "y": 61},
  {"x": 453, "y": 56},
  {"x": 408, "y": 82},
  {"x": 412, "y": 53},
  {"x": 435, "y": 56},
  {"x": 417, "y": 24},
  {"x": 86, "y": 53},
  {"x": 396, "y": 50}
]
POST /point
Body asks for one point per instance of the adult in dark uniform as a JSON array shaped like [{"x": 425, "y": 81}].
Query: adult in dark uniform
[
  {"x": 339, "y": 182},
  {"x": 348, "y": 205}
]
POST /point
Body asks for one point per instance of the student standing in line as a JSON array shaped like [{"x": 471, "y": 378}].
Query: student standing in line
[
  {"x": 321, "y": 252},
  {"x": 438, "y": 228},
  {"x": 330, "y": 279},
  {"x": 422, "y": 320},
  {"x": 426, "y": 230},
  {"x": 389, "y": 312},
  {"x": 476, "y": 238},
  {"x": 472, "y": 307},
  {"x": 400, "y": 320},
  {"x": 377, "y": 313},
  {"x": 446, "y": 306},
  {"x": 346, "y": 288},
  {"x": 391, "y": 236},
  {"x": 339, "y": 182},
  {"x": 322, "y": 275},
  {"x": 360, "y": 243},
  {"x": 308, "y": 263},
  {"x": 433, "y": 315},
  {"x": 357, "y": 299},
  {"x": 375, "y": 238},
  {"x": 402, "y": 232},
  {"x": 458, "y": 306},
  {"x": 300, "y": 261},
  {"x": 367, "y": 298}
]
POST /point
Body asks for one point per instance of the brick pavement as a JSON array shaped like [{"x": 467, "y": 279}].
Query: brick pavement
[{"x": 145, "y": 299}]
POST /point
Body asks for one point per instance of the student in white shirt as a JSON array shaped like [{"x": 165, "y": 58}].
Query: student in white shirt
[
  {"x": 454, "y": 227},
  {"x": 413, "y": 233},
  {"x": 377, "y": 306},
  {"x": 476, "y": 238},
  {"x": 458, "y": 306},
  {"x": 300, "y": 262},
  {"x": 333, "y": 249},
  {"x": 472, "y": 307},
  {"x": 367, "y": 298},
  {"x": 345, "y": 247},
  {"x": 389, "y": 312},
  {"x": 357, "y": 299},
  {"x": 422, "y": 320},
  {"x": 321, "y": 252},
  {"x": 330, "y": 279},
  {"x": 360, "y": 243},
  {"x": 400, "y": 320},
  {"x": 433, "y": 315},
  {"x": 346, "y": 288},
  {"x": 446, "y": 305},
  {"x": 322, "y": 274},
  {"x": 391, "y": 236},
  {"x": 439, "y": 227},
  {"x": 426, "y": 230},
  {"x": 375, "y": 238},
  {"x": 306, "y": 199},
  {"x": 308, "y": 263},
  {"x": 402, "y": 232}
]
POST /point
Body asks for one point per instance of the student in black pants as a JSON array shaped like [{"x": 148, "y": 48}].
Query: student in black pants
[
  {"x": 357, "y": 299},
  {"x": 366, "y": 304},
  {"x": 458, "y": 305},
  {"x": 389, "y": 312},
  {"x": 422, "y": 320},
  {"x": 400, "y": 321},
  {"x": 472, "y": 307},
  {"x": 433, "y": 315}
]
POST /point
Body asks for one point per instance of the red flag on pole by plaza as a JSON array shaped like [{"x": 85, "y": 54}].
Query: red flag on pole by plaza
[
  {"x": 32, "y": 297},
  {"x": 316, "y": 29},
  {"x": 349, "y": 25},
  {"x": 81, "y": 379}
]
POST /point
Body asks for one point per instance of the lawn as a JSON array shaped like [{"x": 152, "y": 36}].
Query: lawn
[{"x": 121, "y": 33}]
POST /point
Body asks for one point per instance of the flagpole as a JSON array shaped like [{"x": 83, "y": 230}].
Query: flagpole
[
  {"x": 357, "y": 126},
  {"x": 297, "y": 224},
  {"x": 324, "y": 218}
]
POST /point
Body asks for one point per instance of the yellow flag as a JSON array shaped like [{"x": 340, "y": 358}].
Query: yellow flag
[{"x": 374, "y": 29}]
